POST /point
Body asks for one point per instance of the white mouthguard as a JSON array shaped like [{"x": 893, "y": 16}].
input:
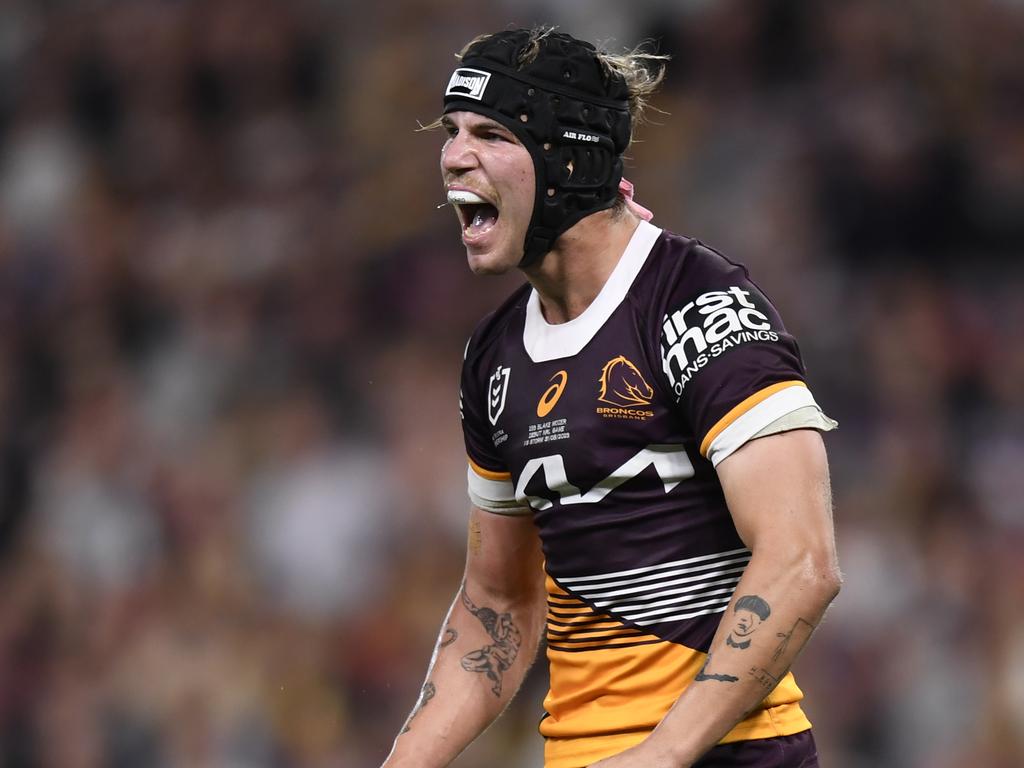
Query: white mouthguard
[{"x": 463, "y": 197}]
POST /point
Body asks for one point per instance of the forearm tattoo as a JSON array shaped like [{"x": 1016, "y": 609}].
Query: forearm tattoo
[
  {"x": 801, "y": 630},
  {"x": 704, "y": 675},
  {"x": 450, "y": 635},
  {"x": 769, "y": 678},
  {"x": 748, "y": 613},
  {"x": 493, "y": 660},
  {"x": 429, "y": 689}
]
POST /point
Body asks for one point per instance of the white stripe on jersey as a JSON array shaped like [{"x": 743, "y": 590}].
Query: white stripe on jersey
[
  {"x": 654, "y": 594},
  {"x": 667, "y": 574},
  {"x": 651, "y": 568}
]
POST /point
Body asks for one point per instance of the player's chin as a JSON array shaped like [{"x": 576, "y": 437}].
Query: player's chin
[{"x": 490, "y": 261}]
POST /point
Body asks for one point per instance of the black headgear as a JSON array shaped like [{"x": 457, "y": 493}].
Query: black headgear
[{"x": 570, "y": 113}]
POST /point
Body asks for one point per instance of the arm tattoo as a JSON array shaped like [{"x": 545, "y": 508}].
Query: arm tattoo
[
  {"x": 450, "y": 636},
  {"x": 475, "y": 537},
  {"x": 702, "y": 675},
  {"x": 429, "y": 689},
  {"x": 749, "y": 612},
  {"x": 801, "y": 630},
  {"x": 765, "y": 679},
  {"x": 769, "y": 678},
  {"x": 492, "y": 660}
]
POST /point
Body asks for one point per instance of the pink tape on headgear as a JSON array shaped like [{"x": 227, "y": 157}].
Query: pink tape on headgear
[{"x": 626, "y": 190}]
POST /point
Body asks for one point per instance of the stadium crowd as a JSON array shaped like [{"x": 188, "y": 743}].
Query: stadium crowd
[{"x": 232, "y": 484}]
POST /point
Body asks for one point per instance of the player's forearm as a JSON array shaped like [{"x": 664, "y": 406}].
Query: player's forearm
[
  {"x": 744, "y": 665},
  {"x": 485, "y": 648}
]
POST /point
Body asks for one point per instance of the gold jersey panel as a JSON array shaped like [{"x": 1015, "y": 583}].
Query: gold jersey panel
[{"x": 613, "y": 680}]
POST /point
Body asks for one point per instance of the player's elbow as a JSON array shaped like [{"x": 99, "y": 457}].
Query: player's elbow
[
  {"x": 830, "y": 581},
  {"x": 819, "y": 574}
]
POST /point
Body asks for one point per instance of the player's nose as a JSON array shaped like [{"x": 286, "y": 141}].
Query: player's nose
[{"x": 458, "y": 154}]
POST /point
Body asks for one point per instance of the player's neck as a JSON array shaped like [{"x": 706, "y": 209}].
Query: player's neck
[{"x": 572, "y": 274}]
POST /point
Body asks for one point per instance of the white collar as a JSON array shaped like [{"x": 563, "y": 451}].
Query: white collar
[{"x": 544, "y": 341}]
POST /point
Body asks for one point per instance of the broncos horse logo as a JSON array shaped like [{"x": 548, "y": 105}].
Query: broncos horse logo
[{"x": 623, "y": 385}]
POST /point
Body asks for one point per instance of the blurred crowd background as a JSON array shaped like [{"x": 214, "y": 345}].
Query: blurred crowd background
[{"x": 232, "y": 503}]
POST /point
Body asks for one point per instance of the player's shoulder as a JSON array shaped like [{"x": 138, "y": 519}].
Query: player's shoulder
[
  {"x": 687, "y": 283},
  {"x": 493, "y": 328},
  {"x": 680, "y": 269},
  {"x": 680, "y": 264}
]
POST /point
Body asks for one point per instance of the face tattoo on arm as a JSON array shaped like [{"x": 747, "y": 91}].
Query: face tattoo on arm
[{"x": 750, "y": 611}]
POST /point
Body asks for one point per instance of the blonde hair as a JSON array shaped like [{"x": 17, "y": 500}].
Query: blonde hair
[{"x": 642, "y": 71}]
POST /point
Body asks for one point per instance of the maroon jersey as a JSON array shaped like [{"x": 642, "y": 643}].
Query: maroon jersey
[{"x": 607, "y": 429}]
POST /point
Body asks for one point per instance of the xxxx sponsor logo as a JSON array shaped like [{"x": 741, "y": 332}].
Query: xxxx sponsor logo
[
  {"x": 625, "y": 390},
  {"x": 550, "y": 397}
]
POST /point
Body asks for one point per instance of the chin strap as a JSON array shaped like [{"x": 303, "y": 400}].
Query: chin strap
[{"x": 626, "y": 189}]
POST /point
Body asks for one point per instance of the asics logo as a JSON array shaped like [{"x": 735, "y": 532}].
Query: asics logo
[{"x": 550, "y": 397}]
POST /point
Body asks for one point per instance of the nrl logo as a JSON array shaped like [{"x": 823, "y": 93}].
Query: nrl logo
[
  {"x": 469, "y": 83},
  {"x": 497, "y": 390}
]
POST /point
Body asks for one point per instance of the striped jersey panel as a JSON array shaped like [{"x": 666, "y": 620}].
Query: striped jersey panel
[
  {"x": 574, "y": 626},
  {"x": 669, "y": 592}
]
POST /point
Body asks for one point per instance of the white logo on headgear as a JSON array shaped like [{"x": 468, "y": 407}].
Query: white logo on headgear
[
  {"x": 469, "y": 83},
  {"x": 580, "y": 136}
]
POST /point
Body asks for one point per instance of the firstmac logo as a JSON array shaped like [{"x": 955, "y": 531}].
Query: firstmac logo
[
  {"x": 468, "y": 83},
  {"x": 704, "y": 328}
]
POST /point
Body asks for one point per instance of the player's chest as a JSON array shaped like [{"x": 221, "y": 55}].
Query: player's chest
[{"x": 591, "y": 408}]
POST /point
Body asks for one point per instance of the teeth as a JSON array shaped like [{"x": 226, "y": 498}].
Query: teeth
[{"x": 464, "y": 197}]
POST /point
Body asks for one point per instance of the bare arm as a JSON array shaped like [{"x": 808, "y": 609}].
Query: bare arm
[
  {"x": 777, "y": 489},
  {"x": 487, "y": 643}
]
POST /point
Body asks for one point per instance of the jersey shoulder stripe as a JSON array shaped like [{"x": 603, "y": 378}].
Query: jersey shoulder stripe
[
  {"x": 743, "y": 408},
  {"x": 488, "y": 474}
]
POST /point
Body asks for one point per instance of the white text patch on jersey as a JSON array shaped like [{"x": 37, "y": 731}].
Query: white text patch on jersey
[{"x": 706, "y": 327}]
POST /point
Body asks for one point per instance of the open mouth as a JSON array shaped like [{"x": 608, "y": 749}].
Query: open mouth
[{"x": 476, "y": 214}]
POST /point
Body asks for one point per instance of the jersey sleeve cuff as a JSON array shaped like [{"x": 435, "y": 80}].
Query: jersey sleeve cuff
[
  {"x": 493, "y": 491},
  {"x": 808, "y": 417},
  {"x": 753, "y": 416}
]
